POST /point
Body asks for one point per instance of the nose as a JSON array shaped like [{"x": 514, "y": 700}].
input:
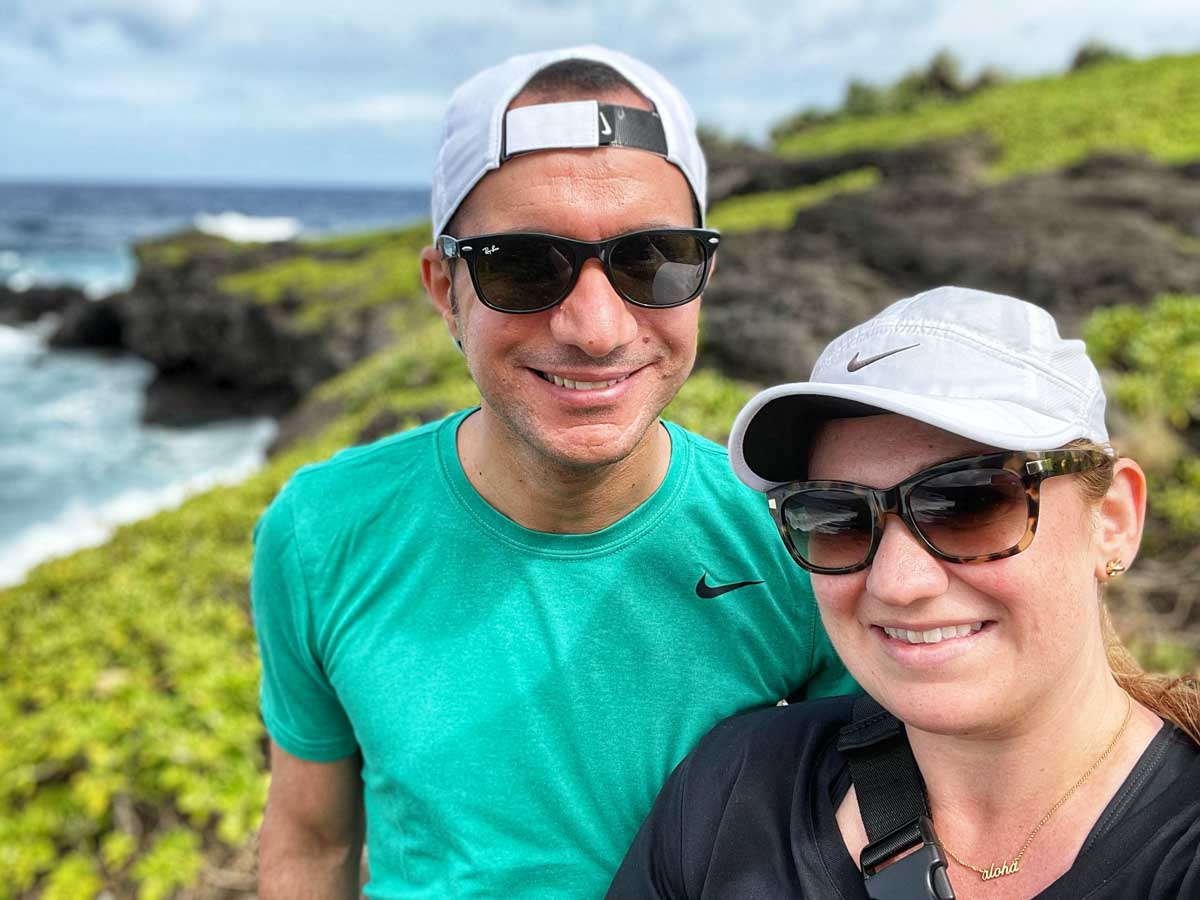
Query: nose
[
  {"x": 593, "y": 317},
  {"x": 903, "y": 572}
]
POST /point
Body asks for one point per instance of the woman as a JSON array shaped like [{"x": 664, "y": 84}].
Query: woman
[{"x": 1051, "y": 765}]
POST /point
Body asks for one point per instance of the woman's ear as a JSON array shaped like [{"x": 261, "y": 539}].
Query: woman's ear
[{"x": 1122, "y": 514}]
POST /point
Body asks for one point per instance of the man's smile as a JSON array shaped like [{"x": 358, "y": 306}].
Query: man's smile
[{"x": 585, "y": 381}]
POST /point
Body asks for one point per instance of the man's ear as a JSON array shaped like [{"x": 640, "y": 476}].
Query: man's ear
[
  {"x": 435, "y": 276},
  {"x": 1122, "y": 514}
]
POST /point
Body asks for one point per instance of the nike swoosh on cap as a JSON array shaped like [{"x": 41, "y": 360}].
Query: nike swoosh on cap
[
  {"x": 855, "y": 364},
  {"x": 707, "y": 591}
]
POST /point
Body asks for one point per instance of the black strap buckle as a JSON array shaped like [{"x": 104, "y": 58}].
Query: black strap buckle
[{"x": 921, "y": 875}]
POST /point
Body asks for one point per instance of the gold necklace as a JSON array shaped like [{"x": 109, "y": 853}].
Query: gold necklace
[{"x": 1011, "y": 868}]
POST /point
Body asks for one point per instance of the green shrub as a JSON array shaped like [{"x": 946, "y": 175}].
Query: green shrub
[
  {"x": 1153, "y": 357},
  {"x": 340, "y": 276},
  {"x": 777, "y": 209},
  {"x": 1147, "y": 106}
]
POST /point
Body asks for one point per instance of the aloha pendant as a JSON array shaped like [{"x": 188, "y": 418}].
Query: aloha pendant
[{"x": 1000, "y": 871}]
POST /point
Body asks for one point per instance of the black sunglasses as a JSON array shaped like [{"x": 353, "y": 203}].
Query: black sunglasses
[
  {"x": 525, "y": 272},
  {"x": 969, "y": 510}
]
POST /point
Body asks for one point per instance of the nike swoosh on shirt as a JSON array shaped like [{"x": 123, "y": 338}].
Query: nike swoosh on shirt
[
  {"x": 707, "y": 591},
  {"x": 855, "y": 364}
]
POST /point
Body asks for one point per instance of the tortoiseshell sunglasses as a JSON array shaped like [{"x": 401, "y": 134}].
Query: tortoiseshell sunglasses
[{"x": 969, "y": 510}]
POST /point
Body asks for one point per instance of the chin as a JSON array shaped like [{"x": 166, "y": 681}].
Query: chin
[
  {"x": 592, "y": 446},
  {"x": 945, "y": 709}
]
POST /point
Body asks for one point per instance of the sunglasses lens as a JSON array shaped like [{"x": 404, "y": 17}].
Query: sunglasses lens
[
  {"x": 829, "y": 529},
  {"x": 972, "y": 513},
  {"x": 658, "y": 268},
  {"x": 523, "y": 273}
]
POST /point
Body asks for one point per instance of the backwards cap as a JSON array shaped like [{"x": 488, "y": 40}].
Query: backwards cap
[{"x": 480, "y": 132}]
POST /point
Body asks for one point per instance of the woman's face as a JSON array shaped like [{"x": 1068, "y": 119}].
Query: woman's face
[{"x": 1038, "y": 609}]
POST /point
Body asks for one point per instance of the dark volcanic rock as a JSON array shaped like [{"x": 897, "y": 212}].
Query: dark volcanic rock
[
  {"x": 89, "y": 324},
  {"x": 231, "y": 351},
  {"x": 19, "y": 307},
  {"x": 184, "y": 399},
  {"x": 742, "y": 169},
  {"x": 1111, "y": 230}
]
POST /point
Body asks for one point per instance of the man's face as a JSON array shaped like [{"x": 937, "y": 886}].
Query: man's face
[{"x": 592, "y": 336}]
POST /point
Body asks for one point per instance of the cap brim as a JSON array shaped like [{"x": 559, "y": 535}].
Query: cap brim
[{"x": 770, "y": 439}]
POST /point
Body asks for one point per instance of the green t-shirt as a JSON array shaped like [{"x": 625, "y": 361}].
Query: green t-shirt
[{"x": 518, "y": 697}]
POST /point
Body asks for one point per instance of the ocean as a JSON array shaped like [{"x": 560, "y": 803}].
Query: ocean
[{"x": 75, "y": 459}]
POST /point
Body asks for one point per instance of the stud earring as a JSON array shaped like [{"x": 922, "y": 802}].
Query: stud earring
[{"x": 1114, "y": 567}]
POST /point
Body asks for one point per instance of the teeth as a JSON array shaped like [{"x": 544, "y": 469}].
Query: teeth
[
  {"x": 581, "y": 385},
  {"x": 933, "y": 635}
]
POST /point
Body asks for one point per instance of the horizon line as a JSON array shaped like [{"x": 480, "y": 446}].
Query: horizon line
[{"x": 201, "y": 182}]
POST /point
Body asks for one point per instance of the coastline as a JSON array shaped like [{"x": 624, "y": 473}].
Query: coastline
[{"x": 77, "y": 461}]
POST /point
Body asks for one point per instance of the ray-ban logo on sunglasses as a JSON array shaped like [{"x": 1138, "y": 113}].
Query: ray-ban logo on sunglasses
[
  {"x": 488, "y": 251},
  {"x": 855, "y": 364}
]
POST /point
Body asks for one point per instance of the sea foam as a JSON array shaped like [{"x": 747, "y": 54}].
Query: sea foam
[
  {"x": 76, "y": 461},
  {"x": 235, "y": 226},
  {"x": 81, "y": 524}
]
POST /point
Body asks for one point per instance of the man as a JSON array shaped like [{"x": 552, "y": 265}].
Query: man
[{"x": 501, "y": 631}]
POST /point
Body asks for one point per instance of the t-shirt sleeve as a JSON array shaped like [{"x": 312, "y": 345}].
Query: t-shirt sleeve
[
  {"x": 827, "y": 673},
  {"x": 299, "y": 706},
  {"x": 652, "y": 867}
]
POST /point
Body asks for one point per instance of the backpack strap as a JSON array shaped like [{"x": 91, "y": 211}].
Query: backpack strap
[{"x": 894, "y": 807}]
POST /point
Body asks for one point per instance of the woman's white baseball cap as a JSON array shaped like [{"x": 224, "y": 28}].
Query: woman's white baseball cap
[{"x": 985, "y": 366}]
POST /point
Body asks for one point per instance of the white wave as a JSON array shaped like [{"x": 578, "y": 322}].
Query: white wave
[
  {"x": 25, "y": 341},
  {"x": 21, "y": 281},
  {"x": 82, "y": 525},
  {"x": 235, "y": 226}
]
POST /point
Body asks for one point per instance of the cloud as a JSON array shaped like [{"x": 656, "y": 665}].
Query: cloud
[
  {"x": 306, "y": 82},
  {"x": 389, "y": 111},
  {"x": 148, "y": 24}
]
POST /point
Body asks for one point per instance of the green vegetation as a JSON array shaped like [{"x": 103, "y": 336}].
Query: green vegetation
[
  {"x": 1148, "y": 106},
  {"x": 940, "y": 79},
  {"x": 176, "y": 249},
  {"x": 1154, "y": 357},
  {"x": 777, "y": 209},
  {"x": 339, "y": 276},
  {"x": 132, "y": 755}
]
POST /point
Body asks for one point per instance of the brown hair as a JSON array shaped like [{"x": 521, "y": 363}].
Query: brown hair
[{"x": 1176, "y": 699}]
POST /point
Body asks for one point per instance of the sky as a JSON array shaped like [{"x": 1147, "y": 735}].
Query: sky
[{"x": 352, "y": 93}]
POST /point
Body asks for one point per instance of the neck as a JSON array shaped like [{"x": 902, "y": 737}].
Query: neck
[
  {"x": 544, "y": 495},
  {"x": 1031, "y": 764},
  {"x": 1030, "y": 761}
]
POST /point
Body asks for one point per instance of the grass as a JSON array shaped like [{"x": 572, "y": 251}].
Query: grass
[
  {"x": 1147, "y": 106},
  {"x": 177, "y": 249},
  {"x": 339, "y": 276}
]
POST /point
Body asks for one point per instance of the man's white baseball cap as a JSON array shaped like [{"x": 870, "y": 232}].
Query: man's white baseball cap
[
  {"x": 480, "y": 133},
  {"x": 988, "y": 367}
]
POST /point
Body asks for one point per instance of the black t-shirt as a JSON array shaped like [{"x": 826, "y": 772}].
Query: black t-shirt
[{"x": 751, "y": 814}]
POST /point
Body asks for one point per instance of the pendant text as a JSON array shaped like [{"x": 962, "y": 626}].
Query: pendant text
[{"x": 998, "y": 871}]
